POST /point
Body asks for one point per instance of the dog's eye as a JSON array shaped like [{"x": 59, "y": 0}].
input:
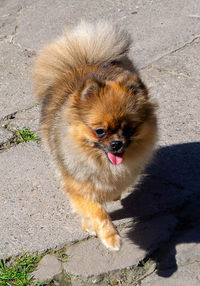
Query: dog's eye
[
  {"x": 128, "y": 131},
  {"x": 100, "y": 132}
]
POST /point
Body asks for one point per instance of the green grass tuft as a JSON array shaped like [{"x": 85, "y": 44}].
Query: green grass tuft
[
  {"x": 16, "y": 273},
  {"x": 25, "y": 135}
]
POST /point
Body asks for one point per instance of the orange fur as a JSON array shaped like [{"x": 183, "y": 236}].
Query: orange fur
[{"x": 87, "y": 84}]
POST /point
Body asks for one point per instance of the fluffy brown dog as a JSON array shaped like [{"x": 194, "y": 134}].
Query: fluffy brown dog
[{"x": 97, "y": 119}]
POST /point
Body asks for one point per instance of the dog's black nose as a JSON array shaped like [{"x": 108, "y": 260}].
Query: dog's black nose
[{"x": 116, "y": 145}]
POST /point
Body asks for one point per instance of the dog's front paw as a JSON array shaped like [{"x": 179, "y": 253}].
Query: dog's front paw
[
  {"x": 112, "y": 241},
  {"x": 109, "y": 236}
]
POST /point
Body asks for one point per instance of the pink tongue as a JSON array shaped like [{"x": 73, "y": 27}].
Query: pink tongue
[{"x": 115, "y": 159}]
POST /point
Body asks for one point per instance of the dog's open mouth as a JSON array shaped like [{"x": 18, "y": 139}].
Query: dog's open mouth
[{"x": 115, "y": 159}]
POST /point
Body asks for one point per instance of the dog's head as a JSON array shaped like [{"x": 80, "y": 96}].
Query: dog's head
[{"x": 111, "y": 117}]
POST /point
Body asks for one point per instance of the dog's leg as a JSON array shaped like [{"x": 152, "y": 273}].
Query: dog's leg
[{"x": 94, "y": 215}]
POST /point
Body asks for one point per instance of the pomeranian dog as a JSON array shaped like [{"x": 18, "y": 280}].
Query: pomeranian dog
[{"x": 97, "y": 119}]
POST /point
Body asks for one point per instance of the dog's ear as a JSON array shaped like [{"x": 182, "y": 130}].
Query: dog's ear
[
  {"x": 90, "y": 88},
  {"x": 133, "y": 84}
]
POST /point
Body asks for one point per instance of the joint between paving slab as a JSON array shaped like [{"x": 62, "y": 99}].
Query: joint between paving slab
[
  {"x": 136, "y": 273},
  {"x": 145, "y": 268},
  {"x": 16, "y": 139},
  {"x": 12, "y": 115}
]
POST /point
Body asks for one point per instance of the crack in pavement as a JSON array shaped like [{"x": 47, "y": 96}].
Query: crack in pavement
[
  {"x": 153, "y": 66},
  {"x": 11, "y": 37},
  {"x": 171, "y": 52}
]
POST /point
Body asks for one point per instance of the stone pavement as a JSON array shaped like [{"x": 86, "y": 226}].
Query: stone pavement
[{"x": 160, "y": 220}]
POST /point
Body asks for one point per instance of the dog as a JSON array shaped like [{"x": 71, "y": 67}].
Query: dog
[{"x": 97, "y": 119}]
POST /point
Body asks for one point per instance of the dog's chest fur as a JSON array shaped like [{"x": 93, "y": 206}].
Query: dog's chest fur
[{"x": 107, "y": 178}]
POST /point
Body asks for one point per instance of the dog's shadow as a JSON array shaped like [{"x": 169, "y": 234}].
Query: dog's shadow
[{"x": 169, "y": 193}]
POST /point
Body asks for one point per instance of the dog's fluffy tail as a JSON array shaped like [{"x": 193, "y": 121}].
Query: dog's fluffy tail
[{"x": 87, "y": 44}]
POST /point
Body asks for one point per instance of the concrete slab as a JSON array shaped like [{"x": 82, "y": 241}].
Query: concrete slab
[
  {"x": 180, "y": 264},
  {"x": 47, "y": 269},
  {"x": 183, "y": 63},
  {"x": 15, "y": 69},
  {"x": 35, "y": 216},
  {"x": 174, "y": 83},
  {"x": 186, "y": 275},
  {"x": 184, "y": 249},
  {"x": 90, "y": 257}
]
